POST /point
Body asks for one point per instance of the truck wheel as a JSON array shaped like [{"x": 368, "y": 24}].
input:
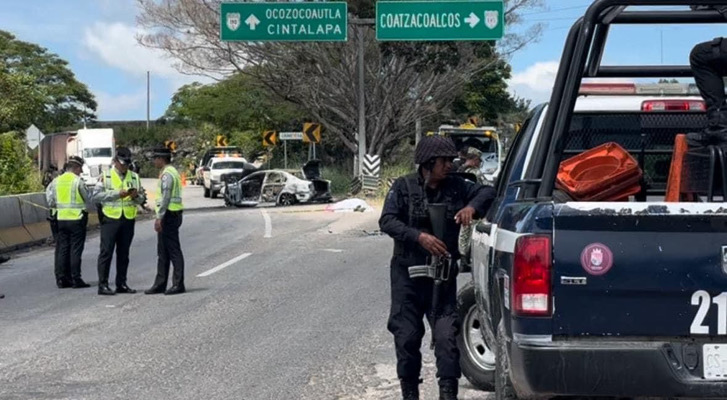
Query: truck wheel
[
  {"x": 503, "y": 385},
  {"x": 206, "y": 193},
  {"x": 477, "y": 360}
]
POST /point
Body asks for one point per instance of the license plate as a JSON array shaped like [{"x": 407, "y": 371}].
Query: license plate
[{"x": 715, "y": 361}]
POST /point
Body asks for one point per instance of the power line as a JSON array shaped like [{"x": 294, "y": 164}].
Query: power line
[
  {"x": 555, "y": 10},
  {"x": 551, "y": 19}
]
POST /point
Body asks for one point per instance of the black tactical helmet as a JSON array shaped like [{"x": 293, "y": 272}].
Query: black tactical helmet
[
  {"x": 434, "y": 146},
  {"x": 76, "y": 160}
]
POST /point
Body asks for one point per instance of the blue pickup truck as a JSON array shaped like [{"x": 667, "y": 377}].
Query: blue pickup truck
[{"x": 600, "y": 298}]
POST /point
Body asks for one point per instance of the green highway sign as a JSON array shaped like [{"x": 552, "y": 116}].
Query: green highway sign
[
  {"x": 439, "y": 20},
  {"x": 284, "y": 22}
]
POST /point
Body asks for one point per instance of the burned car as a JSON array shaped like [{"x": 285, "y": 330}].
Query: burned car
[{"x": 281, "y": 187}]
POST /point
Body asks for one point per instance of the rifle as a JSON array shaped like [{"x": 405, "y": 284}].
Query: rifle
[{"x": 438, "y": 267}]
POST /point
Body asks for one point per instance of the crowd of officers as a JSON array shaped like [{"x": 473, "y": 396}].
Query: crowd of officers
[{"x": 116, "y": 198}]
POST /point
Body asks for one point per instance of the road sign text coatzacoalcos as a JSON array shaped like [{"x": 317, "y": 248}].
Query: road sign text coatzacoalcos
[
  {"x": 326, "y": 21},
  {"x": 439, "y": 20}
]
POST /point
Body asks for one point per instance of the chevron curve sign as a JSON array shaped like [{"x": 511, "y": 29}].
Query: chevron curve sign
[{"x": 372, "y": 165}]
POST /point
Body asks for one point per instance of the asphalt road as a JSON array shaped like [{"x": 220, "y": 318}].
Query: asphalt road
[{"x": 301, "y": 314}]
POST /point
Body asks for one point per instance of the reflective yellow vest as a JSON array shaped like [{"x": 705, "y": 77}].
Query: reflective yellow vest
[
  {"x": 126, "y": 205},
  {"x": 69, "y": 204},
  {"x": 175, "y": 203}
]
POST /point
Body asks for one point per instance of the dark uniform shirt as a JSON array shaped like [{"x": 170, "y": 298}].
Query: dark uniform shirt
[{"x": 396, "y": 221}]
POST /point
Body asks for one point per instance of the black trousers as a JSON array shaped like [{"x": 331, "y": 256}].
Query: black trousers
[
  {"x": 115, "y": 233},
  {"x": 708, "y": 61},
  {"x": 411, "y": 300},
  {"x": 169, "y": 251},
  {"x": 70, "y": 241}
]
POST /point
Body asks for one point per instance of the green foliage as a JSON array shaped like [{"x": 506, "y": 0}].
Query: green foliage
[
  {"x": 236, "y": 103},
  {"x": 17, "y": 173},
  {"x": 340, "y": 178},
  {"x": 21, "y": 101},
  {"x": 66, "y": 100},
  {"x": 486, "y": 93}
]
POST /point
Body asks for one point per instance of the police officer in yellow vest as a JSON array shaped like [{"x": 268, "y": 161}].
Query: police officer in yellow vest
[
  {"x": 67, "y": 196},
  {"x": 120, "y": 193},
  {"x": 168, "y": 220}
]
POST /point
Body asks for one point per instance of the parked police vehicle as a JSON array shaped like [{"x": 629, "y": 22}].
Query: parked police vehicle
[{"x": 601, "y": 269}]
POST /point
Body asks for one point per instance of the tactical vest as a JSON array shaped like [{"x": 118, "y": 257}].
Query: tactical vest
[
  {"x": 69, "y": 204},
  {"x": 419, "y": 219},
  {"x": 126, "y": 205},
  {"x": 175, "y": 203}
]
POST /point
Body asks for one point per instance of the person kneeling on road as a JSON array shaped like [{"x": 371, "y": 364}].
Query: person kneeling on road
[
  {"x": 405, "y": 218},
  {"x": 67, "y": 195},
  {"x": 168, "y": 220}
]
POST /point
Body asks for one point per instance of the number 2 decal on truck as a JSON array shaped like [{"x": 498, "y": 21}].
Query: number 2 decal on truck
[{"x": 702, "y": 299}]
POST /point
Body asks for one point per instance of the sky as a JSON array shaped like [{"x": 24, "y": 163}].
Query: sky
[{"x": 97, "y": 38}]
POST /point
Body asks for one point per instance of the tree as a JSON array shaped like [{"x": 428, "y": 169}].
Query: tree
[
  {"x": 235, "y": 103},
  {"x": 17, "y": 174},
  {"x": 67, "y": 101},
  {"x": 21, "y": 101},
  {"x": 486, "y": 95},
  {"x": 403, "y": 81}
]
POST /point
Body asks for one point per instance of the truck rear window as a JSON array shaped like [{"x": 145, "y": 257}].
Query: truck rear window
[{"x": 228, "y": 165}]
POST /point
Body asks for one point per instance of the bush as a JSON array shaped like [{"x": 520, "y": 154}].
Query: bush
[
  {"x": 17, "y": 172},
  {"x": 340, "y": 179}
]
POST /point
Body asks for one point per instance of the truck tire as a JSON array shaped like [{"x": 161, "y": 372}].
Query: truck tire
[
  {"x": 477, "y": 359},
  {"x": 206, "y": 193},
  {"x": 503, "y": 385}
]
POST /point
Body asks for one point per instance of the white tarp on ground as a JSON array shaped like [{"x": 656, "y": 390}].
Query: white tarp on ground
[{"x": 350, "y": 205}]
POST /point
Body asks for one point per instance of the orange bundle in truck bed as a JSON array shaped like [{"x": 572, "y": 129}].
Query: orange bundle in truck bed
[{"x": 604, "y": 173}]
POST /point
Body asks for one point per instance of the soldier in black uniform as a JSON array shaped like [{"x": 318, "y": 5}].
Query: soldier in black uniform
[
  {"x": 405, "y": 219},
  {"x": 708, "y": 61}
]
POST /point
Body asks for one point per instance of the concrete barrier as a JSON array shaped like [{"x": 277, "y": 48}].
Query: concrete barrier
[
  {"x": 23, "y": 220},
  {"x": 33, "y": 208},
  {"x": 12, "y": 230}
]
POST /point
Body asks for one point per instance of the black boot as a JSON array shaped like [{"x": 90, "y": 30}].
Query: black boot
[
  {"x": 80, "y": 284},
  {"x": 177, "y": 289},
  {"x": 448, "y": 389},
  {"x": 105, "y": 290},
  {"x": 714, "y": 134},
  {"x": 63, "y": 283},
  {"x": 125, "y": 289},
  {"x": 155, "y": 290},
  {"x": 409, "y": 389}
]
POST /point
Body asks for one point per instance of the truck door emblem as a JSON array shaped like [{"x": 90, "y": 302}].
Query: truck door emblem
[
  {"x": 596, "y": 259},
  {"x": 724, "y": 259}
]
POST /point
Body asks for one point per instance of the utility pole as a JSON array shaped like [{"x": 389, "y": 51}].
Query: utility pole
[
  {"x": 360, "y": 26},
  {"x": 147, "y": 100}
]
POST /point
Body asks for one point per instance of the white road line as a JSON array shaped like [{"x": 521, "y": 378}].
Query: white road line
[
  {"x": 224, "y": 265},
  {"x": 333, "y": 250},
  {"x": 268, "y": 224}
]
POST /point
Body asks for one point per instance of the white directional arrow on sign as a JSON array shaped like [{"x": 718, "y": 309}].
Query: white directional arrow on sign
[
  {"x": 473, "y": 20},
  {"x": 252, "y": 21}
]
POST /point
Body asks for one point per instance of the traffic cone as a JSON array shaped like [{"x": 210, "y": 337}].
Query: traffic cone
[{"x": 184, "y": 180}]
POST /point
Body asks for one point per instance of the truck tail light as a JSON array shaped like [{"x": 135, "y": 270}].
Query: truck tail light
[
  {"x": 532, "y": 270},
  {"x": 673, "y": 105}
]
